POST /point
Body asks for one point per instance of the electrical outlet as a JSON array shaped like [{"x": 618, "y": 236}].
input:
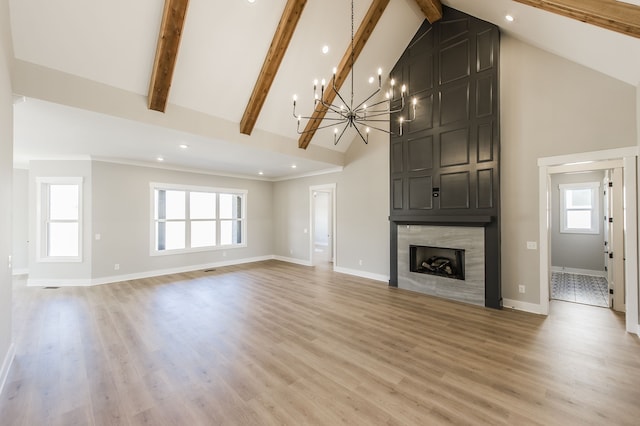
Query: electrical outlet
[
  {"x": 360, "y": 262},
  {"x": 97, "y": 237},
  {"x": 532, "y": 245},
  {"x": 521, "y": 288},
  {"x": 116, "y": 267}
]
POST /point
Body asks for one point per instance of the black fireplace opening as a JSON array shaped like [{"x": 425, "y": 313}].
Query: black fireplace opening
[{"x": 440, "y": 261}]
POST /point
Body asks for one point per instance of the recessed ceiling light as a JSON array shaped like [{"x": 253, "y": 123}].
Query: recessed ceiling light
[
  {"x": 293, "y": 166},
  {"x": 260, "y": 173},
  {"x": 252, "y": 1},
  {"x": 325, "y": 49},
  {"x": 509, "y": 18},
  {"x": 160, "y": 159},
  {"x": 183, "y": 146}
]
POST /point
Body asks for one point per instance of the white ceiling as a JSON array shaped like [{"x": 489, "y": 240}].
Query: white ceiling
[{"x": 222, "y": 49}]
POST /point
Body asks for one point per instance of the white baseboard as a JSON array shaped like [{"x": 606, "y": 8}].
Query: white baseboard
[
  {"x": 362, "y": 274},
  {"x": 139, "y": 275},
  {"x": 579, "y": 271},
  {"x": 6, "y": 366},
  {"x": 302, "y": 262},
  {"x": 533, "y": 308}
]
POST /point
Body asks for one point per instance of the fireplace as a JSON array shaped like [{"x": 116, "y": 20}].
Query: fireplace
[
  {"x": 440, "y": 261},
  {"x": 456, "y": 253}
]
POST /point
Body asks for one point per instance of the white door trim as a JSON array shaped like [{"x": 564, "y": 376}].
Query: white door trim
[
  {"x": 331, "y": 187},
  {"x": 557, "y": 164}
]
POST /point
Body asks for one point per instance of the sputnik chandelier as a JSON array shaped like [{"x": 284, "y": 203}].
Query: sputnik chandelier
[{"x": 360, "y": 116}]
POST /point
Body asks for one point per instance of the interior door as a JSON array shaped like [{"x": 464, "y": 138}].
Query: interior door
[
  {"x": 608, "y": 262},
  {"x": 322, "y": 226},
  {"x": 615, "y": 222}
]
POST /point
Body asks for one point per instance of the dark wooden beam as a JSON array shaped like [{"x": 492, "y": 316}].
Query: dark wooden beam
[
  {"x": 610, "y": 14},
  {"x": 166, "y": 53},
  {"x": 344, "y": 68},
  {"x": 432, "y": 9},
  {"x": 281, "y": 38}
]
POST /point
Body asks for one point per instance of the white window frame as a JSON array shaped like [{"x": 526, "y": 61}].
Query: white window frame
[
  {"x": 42, "y": 217},
  {"x": 243, "y": 193},
  {"x": 595, "y": 208}
]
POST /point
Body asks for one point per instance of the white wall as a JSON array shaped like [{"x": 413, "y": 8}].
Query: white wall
[
  {"x": 362, "y": 210},
  {"x": 576, "y": 251},
  {"x": 6, "y": 170},
  {"x": 549, "y": 106},
  {"x": 20, "y": 226},
  {"x": 122, "y": 212}
]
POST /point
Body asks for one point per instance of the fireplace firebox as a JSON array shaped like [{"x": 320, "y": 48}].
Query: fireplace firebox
[{"x": 440, "y": 261}]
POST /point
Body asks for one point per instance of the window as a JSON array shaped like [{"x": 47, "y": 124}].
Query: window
[
  {"x": 579, "y": 208},
  {"x": 59, "y": 213},
  {"x": 195, "y": 218}
]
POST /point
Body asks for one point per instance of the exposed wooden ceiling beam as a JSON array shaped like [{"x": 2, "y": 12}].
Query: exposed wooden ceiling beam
[
  {"x": 610, "y": 14},
  {"x": 166, "y": 53},
  {"x": 432, "y": 9},
  {"x": 344, "y": 68},
  {"x": 279, "y": 44}
]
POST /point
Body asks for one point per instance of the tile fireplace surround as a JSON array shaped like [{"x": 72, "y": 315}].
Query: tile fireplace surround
[{"x": 468, "y": 238}]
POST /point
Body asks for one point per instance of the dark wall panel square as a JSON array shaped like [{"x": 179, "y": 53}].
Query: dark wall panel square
[
  {"x": 423, "y": 114},
  {"x": 485, "y": 50},
  {"x": 454, "y": 62},
  {"x": 397, "y": 159},
  {"x": 454, "y": 191},
  {"x": 484, "y": 97},
  {"x": 454, "y": 104},
  {"x": 485, "y": 189},
  {"x": 420, "y": 153},
  {"x": 396, "y": 194},
  {"x": 420, "y": 193},
  {"x": 453, "y": 29},
  {"x": 485, "y": 142},
  {"x": 421, "y": 74},
  {"x": 454, "y": 148}
]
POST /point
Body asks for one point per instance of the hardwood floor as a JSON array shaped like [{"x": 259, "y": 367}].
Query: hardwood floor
[{"x": 274, "y": 343}]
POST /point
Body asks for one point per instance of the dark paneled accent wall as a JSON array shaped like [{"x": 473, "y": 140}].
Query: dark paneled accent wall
[{"x": 444, "y": 167}]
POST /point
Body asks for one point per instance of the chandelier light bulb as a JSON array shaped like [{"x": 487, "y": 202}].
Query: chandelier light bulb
[
  {"x": 415, "y": 102},
  {"x": 295, "y": 98},
  {"x": 368, "y": 130},
  {"x": 393, "y": 82},
  {"x": 335, "y": 70},
  {"x": 335, "y": 131},
  {"x": 404, "y": 88},
  {"x": 370, "y": 80},
  {"x": 379, "y": 71},
  {"x": 387, "y": 95}
]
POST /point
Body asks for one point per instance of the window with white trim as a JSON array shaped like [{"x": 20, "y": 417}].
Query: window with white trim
[
  {"x": 186, "y": 219},
  {"x": 59, "y": 211},
  {"x": 579, "y": 208}
]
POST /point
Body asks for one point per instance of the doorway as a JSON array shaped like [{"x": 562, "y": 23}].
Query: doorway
[
  {"x": 586, "y": 236},
  {"x": 625, "y": 160},
  {"x": 322, "y": 224}
]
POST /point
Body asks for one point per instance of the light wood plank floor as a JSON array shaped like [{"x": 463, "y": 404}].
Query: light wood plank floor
[{"x": 274, "y": 343}]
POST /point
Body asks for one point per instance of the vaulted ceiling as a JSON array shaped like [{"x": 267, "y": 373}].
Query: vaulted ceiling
[{"x": 224, "y": 72}]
